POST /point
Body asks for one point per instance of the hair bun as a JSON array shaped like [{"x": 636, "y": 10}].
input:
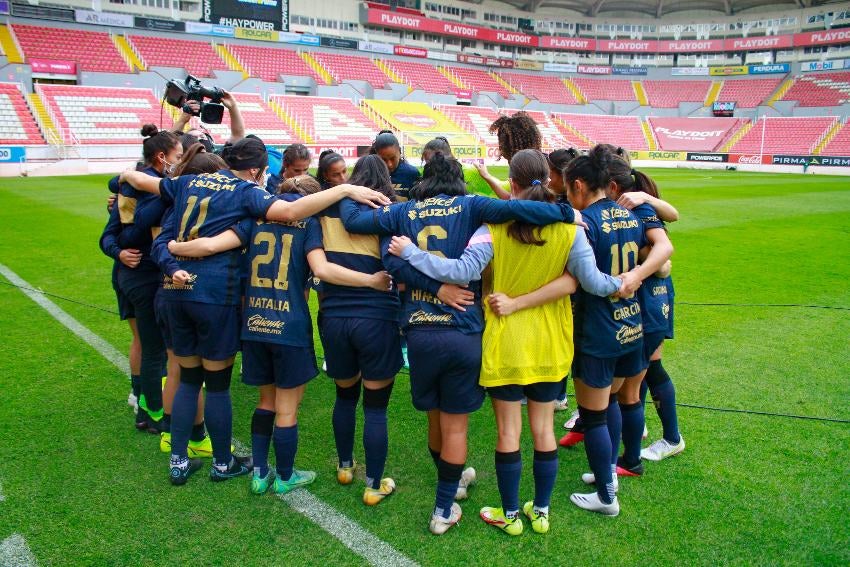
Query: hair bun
[{"x": 149, "y": 130}]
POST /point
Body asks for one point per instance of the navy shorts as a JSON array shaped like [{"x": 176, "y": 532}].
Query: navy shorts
[
  {"x": 369, "y": 347},
  {"x": 162, "y": 319},
  {"x": 651, "y": 342},
  {"x": 600, "y": 372},
  {"x": 538, "y": 392},
  {"x": 282, "y": 365},
  {"x": 125, "y": 306},
  {"x": 445, "y": 365},
  {"x": 203, "y": 329}
]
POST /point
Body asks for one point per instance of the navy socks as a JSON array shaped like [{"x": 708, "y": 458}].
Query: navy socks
[
  {"x": 285, "y": 447},
  {"x": 345, "y": 421},
  {"x": 262, "y": 427},
  {"x": 508, "y": 473},
  {"x": 545, "y": 474}
]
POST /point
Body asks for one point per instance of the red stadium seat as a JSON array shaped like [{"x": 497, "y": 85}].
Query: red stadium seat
[
  {"x": 624, "y": 131},
  {"x": 820, "y": 89},
  {"x": 17, "y": 124},
  {"x": 197, "y": 57},
  {"x": 352, "y": 68},
  {"x": 422, "y": 76},
  {"x": 92, "y": 51},
  {"x": 331, "y": 121},
  {"x": 840, "y": 144},
  {"x": 605, "y": 89},
  {"x": 269, "y": 63},
  {"x": 477, "y": 80},
  {"x": 669, "y": 94},
  {"x": 797, "y": 135},
  {"x": 748, "y": 93},
  {"x": 544, "y": 88}
]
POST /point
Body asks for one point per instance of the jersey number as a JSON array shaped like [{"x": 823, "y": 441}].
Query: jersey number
[
  {"x": 437, "y": 232},
  {"x": 623, "y": 253},
  {"x": 202, "y": 216},
  {"x": 280, "y": 282}
]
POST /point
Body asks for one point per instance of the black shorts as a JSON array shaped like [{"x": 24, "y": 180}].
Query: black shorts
[
  {"x": 445, "y": 365},
  {"x": 369, "y": 347},
  {"x": 282, "y": 365},
  {"x": 538, "y": 392},
  {"x": 162, "y": 319},
  {"x": 600, "y": 372},
  {"x": 203, "y": 329},
  {"x": 125, "y": 306}
]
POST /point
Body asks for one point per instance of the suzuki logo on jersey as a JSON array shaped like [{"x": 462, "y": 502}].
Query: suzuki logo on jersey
[{"x": 606, "y": 227}]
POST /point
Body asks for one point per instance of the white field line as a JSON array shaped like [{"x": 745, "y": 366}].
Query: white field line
[
  {"x": 2, "y": 496},
  {"x": 374, "y": 550},
  {"x": 14, "y": 552}
]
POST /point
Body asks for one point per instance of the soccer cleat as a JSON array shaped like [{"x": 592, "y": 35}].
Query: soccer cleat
[
  {"x": 662, "y": 449},
  {"x": 297, "y": 480},
  {"x": 590, "y": 478},
  {"x": 165, "y": 442},
  {"x": 201, "y": 449},
  {"x": 539, "y": 520},
  {"x": 373, "y": 496},
  {"x": 570, "y": 423},
  {"x": 467, "y": 479},
  {"x": 145, "y": 423},
  {"x": 324, "y": 366},
  {"x": 440, "y": 525},
  {"x": 239, "y": 466},
  {"x": 178, "y": 475},
  {"x": 623, "y": 470},
  {"x": 645, "y": 433},
  {"x": 132, "y": 401},
  {"x": 260, "y": 484},
  {"x": 562, "y": 405},
  {"x": 345, "y": 475},
  {"x": 592, "y": 503},
  {"x": 496, "y": 517},
  {"x": 571, "y": 439},
  {"x": 404, "y": 357}
]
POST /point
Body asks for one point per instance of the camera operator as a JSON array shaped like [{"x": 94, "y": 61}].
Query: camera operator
[{"x": 195, "y": 134}]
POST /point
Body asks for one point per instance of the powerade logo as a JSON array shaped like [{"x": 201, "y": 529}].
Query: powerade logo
[{"x": 712, "y": 158}]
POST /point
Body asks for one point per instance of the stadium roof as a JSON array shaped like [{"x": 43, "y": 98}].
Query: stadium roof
[{"x": 661, "y": 8}]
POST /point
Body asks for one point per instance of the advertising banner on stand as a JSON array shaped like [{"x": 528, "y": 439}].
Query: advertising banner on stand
[
  {"x": 271, "y": 15},
  {"x": 691, "y": 134}
]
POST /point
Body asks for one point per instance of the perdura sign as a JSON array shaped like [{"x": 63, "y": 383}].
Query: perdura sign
[{"x": 269, "y": 15}]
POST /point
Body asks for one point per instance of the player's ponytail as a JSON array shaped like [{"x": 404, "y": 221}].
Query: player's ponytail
[
  {"x": 156, "y": 141},
  {"x": 592, "y": 169},
  {"x": 441, "y": 175},
  {"x": 529, "y": 170},
  {"x": 628, "y": 179}
]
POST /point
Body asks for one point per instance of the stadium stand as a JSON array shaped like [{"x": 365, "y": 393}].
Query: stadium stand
[
  {"x": 17, "y": 124},
  {"x": 544, "y": 88},
  {"x": 821, "y": 89},
  {"x": 352, "y": 68},
  {"x": 748, "y": 93},
  {"x": 475, "y": 120},
  {"x": 417, "y": 122},
  {"x": 197, "y": 57},
  {"x": 839, "y": 145},
  {"x": 259, "y": 119},
  {"x": 669, "y": 94},
  {"x": 93, "y": 51},
  {"x": 605, "y": 89},
  {"x": 478, "y": 80},
  {"x": 421, "y": 76},
  {"x": 553, "y": 137},
  {"x": 798, "y": 135},
  {"x": 270, "y": 63},
  {"x": 323, "y": 120},
  {"x": 693, "y": 134},
  {"x": 101, "y": 115},
  {"x": 625, "y": 131}
]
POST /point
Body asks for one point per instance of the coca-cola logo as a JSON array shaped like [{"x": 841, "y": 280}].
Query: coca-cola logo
[{"x": 749, "y": 159}]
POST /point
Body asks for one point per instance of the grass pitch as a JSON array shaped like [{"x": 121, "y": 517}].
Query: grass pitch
[{"x": 83, "y": 487}]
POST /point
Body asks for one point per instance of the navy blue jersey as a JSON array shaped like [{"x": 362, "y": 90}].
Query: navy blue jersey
[
  {"x": 606, "y": 327},
  {"x": 361, "y": 253},
  {"x": 207, "y": 205},
  {"x": 133, "y": 224},
  {"x": 275, "y": 309},
  {"x": 404, "y": 178},
  {"x": 653, "y": 294},
  {"x": 443, "y": 225}
]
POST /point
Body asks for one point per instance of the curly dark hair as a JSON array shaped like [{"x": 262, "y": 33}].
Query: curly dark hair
[{"x": 515, "y": 133}]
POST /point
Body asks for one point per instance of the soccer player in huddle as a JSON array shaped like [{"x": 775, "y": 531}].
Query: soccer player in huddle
[
  {"x": 608, "y": 332},
  {"x": 403, "y": 175},
  {"x": 445, "y": 343},
  {"x": 527, "y": 341},
  {"x": 202, "y": 296},
  {"x": 332, "y": 170}
]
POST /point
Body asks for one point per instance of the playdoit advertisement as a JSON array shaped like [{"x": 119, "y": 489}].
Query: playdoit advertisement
[{"x": 259, "y": 15}]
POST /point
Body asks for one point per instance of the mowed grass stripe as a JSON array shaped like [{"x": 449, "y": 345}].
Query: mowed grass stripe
[
  {"x": 748, "y": 489},
  {"x": 361, "y": 542}
]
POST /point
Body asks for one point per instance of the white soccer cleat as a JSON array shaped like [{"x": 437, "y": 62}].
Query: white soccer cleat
[
  {"x": 662, "y": 449},
  {"x": 645, "y": 432},
  {"x": 572, "y": 421},
  {"x": 440, "y": 525},
  {"x": 590, "y": 478},
  {"x": 324, "y": 366},
  {"x": 592, "y": 503},
  {"x": 562, "y": 405},
  {"x": 467, "y": 479}
]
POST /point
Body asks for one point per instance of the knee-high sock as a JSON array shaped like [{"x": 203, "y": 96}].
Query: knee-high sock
[
  {"x": 664, "y": 398},
  {"x": 632, "y": 432},
  {"x": 508, "y": 474},
  {"x": 545, "y": 474},
  {"x": 184, "y": 408},
  {"x": 285, "y": 447},
  {"x": 262, "y": 427},
  {"x": 218, "y": 415},
  {"x": 597, "y": 447},
  {"x": 345, "y": 421},
  {"x": 375, "y": 444},
  {"x": 615, "y": 427},
  {"x": 448, "y": 478}
]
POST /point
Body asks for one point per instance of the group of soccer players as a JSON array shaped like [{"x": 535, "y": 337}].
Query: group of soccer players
[{"x": 506, "y": 297}]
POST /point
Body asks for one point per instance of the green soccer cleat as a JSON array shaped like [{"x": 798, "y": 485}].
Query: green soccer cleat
[
  {"x": 539, "y": 520},
  {"x": 201, "y": 449},
  {"x": 260, "y": 484},
  {"x": 496, "y": 517},
  {"x": 297, "y": 480},
  {"x": 165, "y": 442}
]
